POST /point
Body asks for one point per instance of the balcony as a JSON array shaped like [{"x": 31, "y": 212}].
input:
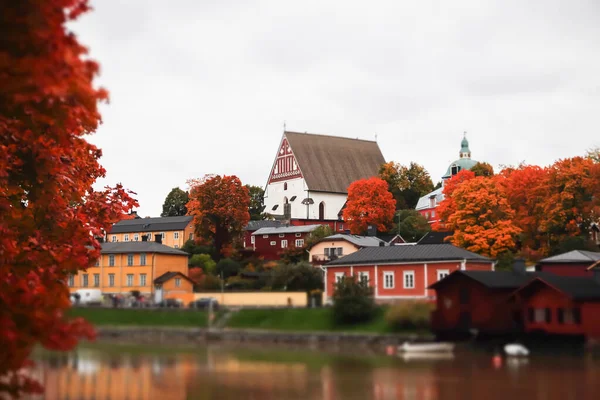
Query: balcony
[{"x": 320, "y": 259}]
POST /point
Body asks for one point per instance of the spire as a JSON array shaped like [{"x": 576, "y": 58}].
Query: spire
[{"x": 465, "y": 152}]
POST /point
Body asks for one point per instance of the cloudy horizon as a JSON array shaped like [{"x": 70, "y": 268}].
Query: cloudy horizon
[{"x": 206, "y": 87}]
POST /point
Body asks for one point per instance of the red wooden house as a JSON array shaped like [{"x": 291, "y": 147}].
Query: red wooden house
[
  {"x": 403, "y": 271},
  {"x": 561, "y": 305},
  {"x": 478, "y": 300},
  {"x": 573, "y": 263},
  {"x": 270, "y": 242}
]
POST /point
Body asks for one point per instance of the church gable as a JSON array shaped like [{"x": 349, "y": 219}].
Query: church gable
[{"x": 285, "y": 166}]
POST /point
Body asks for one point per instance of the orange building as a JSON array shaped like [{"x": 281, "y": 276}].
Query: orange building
[
  {"x": 174, "y": 231},
  {"x": 127, "y": 266}
]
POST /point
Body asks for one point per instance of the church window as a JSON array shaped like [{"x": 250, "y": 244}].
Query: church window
[
  {"x": 322, "y": 210},
  {"x": 285, "y": 187},
  {"x": 275, "y": 207}
]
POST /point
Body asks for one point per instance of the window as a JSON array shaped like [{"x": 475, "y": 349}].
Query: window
[
  {"x": 129, "y": 260},
  {"x": 84, "y": 280},
  {"x": 176, "y": 235},
  {"x": 273, "y": 243},
  {"x": 149, "y": 236},
  {"x": 340, "y": 251},
  {"x": 176, "y": 246},
  {"x": 298, "y": 235},
  {"x": 432, "y": 213},
  {"x": 96, "y": 280},
  {"x": 163, "y": 236},
  {"x": 127, "y": 237},
  {"x": 71, "y": 281},
  {"x": 299, "y": 242},
  {"x": 143, "y": 259},
  {"x": 111, "y": 260},
  {"x": 129, "y": 279},
  {"x": 442, "y": 273},
  {"x": 427, "y": 215},
  {"x": 114, "y": 238},
  {"x": 539, "y": 315},
  {"x": 388, "y": 280},
  {"x": 142, "y": 279},
  {"x": 283, "y": 244},
  {"x": 338, "y": 276},
  {"x": 111, "y": 280},
  {"x": 136, "y": 237},
  {"x": 191, "y": 237},
  {"x": 284, "y": 185},
  {"x": 363, "y": 277},
  {"x": 409, "y": 279},
  {"x": 252, "y": 239},
  {"x": 177, "y": 282},
  {"x": 341, "y": 228},
  {"x": 97, "y": 264},
  {"x": 265, "y": 236},
  {"x": 281, "y": 235}
]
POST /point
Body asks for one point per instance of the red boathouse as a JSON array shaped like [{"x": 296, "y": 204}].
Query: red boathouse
[{"x": 572, "y": 263}]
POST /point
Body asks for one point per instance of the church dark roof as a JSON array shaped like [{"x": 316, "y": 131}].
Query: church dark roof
[{"x": 332, "y": 163}]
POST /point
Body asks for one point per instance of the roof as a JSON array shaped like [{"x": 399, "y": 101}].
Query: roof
[
  {"x": 389, "y": 237},
  {"x": 139, "y": 247},
  {"x": 422, "y": 253},
  {"x": 256, "y": 225},
  {"x": 171, "y": 274},
  {"x": 159, "y": 224},
  {"x": 463, "y": 163},
  {"x": 493, "y": 279},
  {"x": 434, "y": 238},
  {"x": 286, "y": 229},
  {"x": 575, "y": 256},
  {"x": 344, "y": 160},
  {"x": 424, "y": 202},
  {"x": 360, "y": 241},
  {"x": 576, "y": 287}
]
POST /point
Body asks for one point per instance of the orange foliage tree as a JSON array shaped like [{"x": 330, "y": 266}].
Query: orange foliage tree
[
  {"x": 369, "y": 203},
  {"x": 219, "y": 206},
  {"x": 50, "y": 215},
  {"x": 447, "y": 207},
  {"x": 483, "y": 221}
]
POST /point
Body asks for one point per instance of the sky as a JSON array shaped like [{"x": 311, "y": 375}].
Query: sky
[{"x": 205, "y": 87}]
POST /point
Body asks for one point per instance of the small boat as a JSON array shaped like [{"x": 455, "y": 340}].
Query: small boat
[
  {"x": 440, "y": 356},
  {"x": 433, "y": 347},
  {"x": 516, "y": 350}
]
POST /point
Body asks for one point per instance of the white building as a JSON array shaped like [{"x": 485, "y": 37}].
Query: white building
[{"x": 311, "y": 174}]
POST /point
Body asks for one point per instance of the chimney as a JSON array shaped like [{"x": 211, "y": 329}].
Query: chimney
[
  {"x": 371, "y": 230},
  {"x": 381, "y": 244},
  {"x": 158, "y": 238},
  {"x": 518, "y": 266},
  {"x": 144, "y": 238}
]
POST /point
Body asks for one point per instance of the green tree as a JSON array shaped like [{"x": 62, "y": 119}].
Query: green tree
[
  {"x": 203, "y": 261},
  {"x": 297, "y": 277},
  {"x": 227, "y": 268},
  {"x": 257, "y": 202},
  {"x": 352, "y": 302},
  {"x": 407, "y": 184},
  {"x": 412, "y": 225},
  {"x": 175, "y": 203},
  {"x": 483, "y": 169}
]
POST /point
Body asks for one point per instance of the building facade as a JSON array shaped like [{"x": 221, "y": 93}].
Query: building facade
[
  {"x": 124, "y": 267},
  {"x": 427, "y": 204},
  {"x": 572, "y": 263},
  {"x": 270, "y": 243},
  {"x": 340, "y": 245},
  {"x": 405, "y": 271},
  {"x": 174, "y": 231},
  {"x": 311, "y": 173}
]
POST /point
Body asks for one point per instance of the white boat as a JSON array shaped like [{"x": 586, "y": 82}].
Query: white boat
[
  {"x": 516, "y": 350},
  {"x": 433, "y": 347},
  {"x": 440, "y": 356}
]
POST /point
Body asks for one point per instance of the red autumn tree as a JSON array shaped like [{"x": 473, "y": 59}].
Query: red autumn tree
[
  {"x": 49, "y": 212},
  {"x": 447, "y": 207},
  {"x": 219, "y": 206},
  {"x": 483, "y": 221},
  {"x": 369, "y": 203}
]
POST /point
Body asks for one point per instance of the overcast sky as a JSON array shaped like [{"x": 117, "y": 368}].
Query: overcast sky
[{"x": 204, "y": 86}]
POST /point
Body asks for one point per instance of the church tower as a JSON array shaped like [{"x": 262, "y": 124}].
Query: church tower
[{"x": 464, "y": 147}]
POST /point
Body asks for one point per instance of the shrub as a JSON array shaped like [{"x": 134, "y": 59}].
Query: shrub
[
  {"x": 297, "y": 277},
  {"x": 409, "y": 315},
  {"x": 203, "y": 261},
  {"x": 353, "y": 302},
  {"x": 227, "y": 267}
]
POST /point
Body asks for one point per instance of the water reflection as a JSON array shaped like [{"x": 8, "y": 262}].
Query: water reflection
[{"x": 116, "y": 372}]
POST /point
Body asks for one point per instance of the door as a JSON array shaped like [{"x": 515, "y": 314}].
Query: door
[{"x": 158, "y": 293}]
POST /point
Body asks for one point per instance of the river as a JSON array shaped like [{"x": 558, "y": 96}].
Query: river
[{"x": 120, "y": 372}]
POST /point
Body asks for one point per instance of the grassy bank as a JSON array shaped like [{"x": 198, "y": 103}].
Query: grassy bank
[
  {"x": 301, "y": 320},
  {"x": 141, "y": 317}
]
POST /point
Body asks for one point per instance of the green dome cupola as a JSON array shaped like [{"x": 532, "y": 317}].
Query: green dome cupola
[
  {"x": 464, "y": 147},
  {"x": 464, "y": 162}
]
